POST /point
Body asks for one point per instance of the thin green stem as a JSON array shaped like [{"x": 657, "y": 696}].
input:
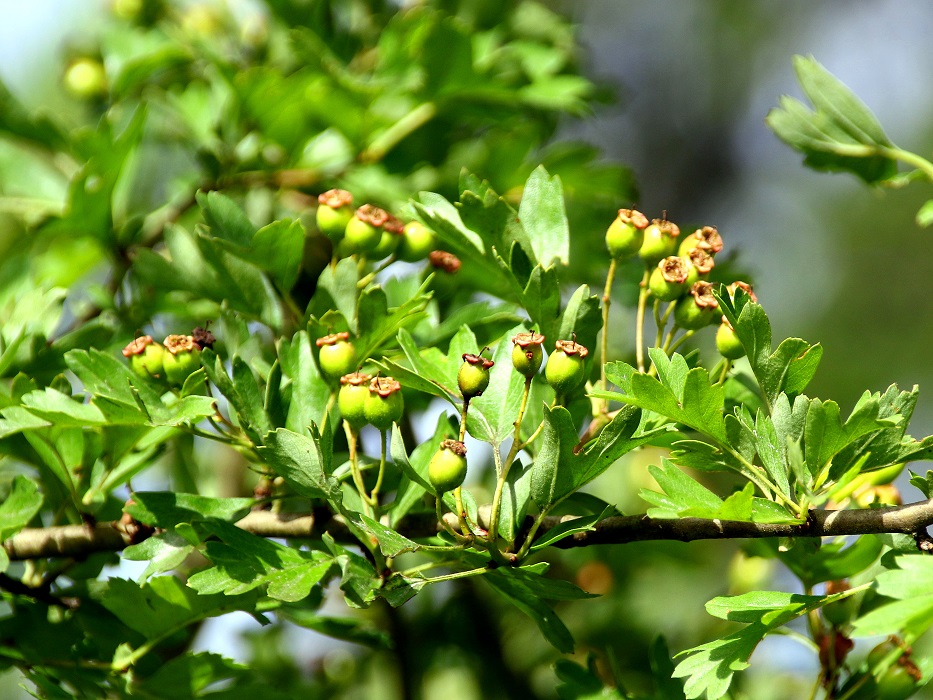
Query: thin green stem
[
  {"x": 919, "y": 162},
  {"x": 398, "y": 131},
  {"x": 369, "y": 278},
  {"x": 680, "y": 341},
  {"x": 504, "y": 472},
  {"x": 374, "y": 494},
  {"x": 439, "y": 507},
  {"x": 656, "y": 309},
  {"x": 726, "y": 366},
  {"x": 461, "y": 513},
  {"x": 607, "y": 300},
  {"x": 640, "y": 322},
  {"x": 463, "y": 418},
  {"x": 331, "y": 400},
  {"x": 352, "y": 443},
  {"x": 526, "y": 545},
  {"x": 459, "y": 574}
]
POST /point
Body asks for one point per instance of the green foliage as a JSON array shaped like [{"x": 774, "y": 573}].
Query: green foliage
[{"x": 190, "y": 189}]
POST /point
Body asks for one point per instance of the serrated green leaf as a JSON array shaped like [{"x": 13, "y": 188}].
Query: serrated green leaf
[
  {"x": 189, "y": 674},
  {"x": 391, "y": 544},
  {"x": 911, "y": 589},
  {"x": 225, "y": 218},
  {"x": 19, "y": 507},
  {"x": 301, "y": 461},
  {"x": 584, "y": 523},
  {"x": 543, "y": 217},
  {"x": 243, "y": 562},
  {"x": 166, "y": 509}
]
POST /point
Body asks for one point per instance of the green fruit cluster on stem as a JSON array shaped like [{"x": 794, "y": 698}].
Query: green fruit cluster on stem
[
  {"x": 182, "y": 357},
  {"x": 660, "y": 241},
  {"x": 706, "y": 238},
  {"x": 668, "y": 281}
]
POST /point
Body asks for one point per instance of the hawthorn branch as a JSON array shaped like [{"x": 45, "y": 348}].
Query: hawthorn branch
[{"x": 911, "y": 519}]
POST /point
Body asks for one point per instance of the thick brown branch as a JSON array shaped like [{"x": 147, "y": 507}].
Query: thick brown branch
[{"x": 80, "y": 540}]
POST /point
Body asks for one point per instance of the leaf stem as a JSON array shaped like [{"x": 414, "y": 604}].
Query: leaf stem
[
  {"x": 404, "y": 127},
  {"x": 461, "y": 512},
  {"x": 910, "y": 158},
  {"x": 374, "y": 494},
  {"x": 352, "y": 443}
]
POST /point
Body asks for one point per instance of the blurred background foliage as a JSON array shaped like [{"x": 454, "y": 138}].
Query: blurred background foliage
[{"x": 283, "y": 99}]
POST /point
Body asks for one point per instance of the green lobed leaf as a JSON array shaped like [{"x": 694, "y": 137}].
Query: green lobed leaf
[
  {"x": 911, "y": 588},
  {"x": 543, "y": 217},
  {"x": 166, "y": 509},
  {"x": 225, "y": 218},
  {"x": 307, "y": 391},
  {"x": 189, "y": 674},
  {"x": 391, "y": 544},
  {"x": 243, "y": 562},
  {"x": 302, "y": 462}
]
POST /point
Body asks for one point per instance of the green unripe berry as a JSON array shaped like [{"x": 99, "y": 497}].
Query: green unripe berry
[
  {"x": 706, "y": 238},
  {"x": 182, "y": 357},
  {"x": 728, "y": 343},
  {"x": 699, "y": 264},
  {"x": 384, "y": 405},
  {"x": 697, "y": 309},
  {"x": 337, "y": 355},
  {"x": 351, "y": 399},
  {"x": 448, "y": 467},
  {"x": 390, "y": 239},
  {"x": 839, "y": 612},
  {"x": 564, "y": 370},
  {"x": 86, "y": 79},
  {"x": 900, "y": 680},
  {"x": 527, "y": 354},
  {"x": 660, "y": 241},
  {"x": 626, "y": 234},
  {"x": 668, "y": 281},
  {"x": 334, "y": 213},
  {"x": 146, "y": 357},
  {"x": 473, "y": 376},
  {"x": 364, "y": 230},
  {"x": 417, "y": 241}
]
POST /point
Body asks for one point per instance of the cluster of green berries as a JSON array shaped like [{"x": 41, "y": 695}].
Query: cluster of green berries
[
  {"x": 678, "y": 270},
  {"x": 367, "y": 400},
  {"x": 899, "y": 682},
  {"x": 172, "y": 361},
  {"x": 369, "y": 230}
]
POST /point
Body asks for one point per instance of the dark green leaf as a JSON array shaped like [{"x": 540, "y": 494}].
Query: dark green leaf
[
  {"x": 300, "y": 460},
  {"x": 226, "y": 219},
  {"x": 19, "y": 507},
  {"x": 166, "y": 509},
  {"x": 543, "y": 217}
]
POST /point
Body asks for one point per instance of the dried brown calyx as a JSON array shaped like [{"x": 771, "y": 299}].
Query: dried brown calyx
[
  {"x": 633, "y": 217},
  {"x": 477, "y": 360},
  {"x": 528, "y": 341},
  {"x": 442, "y": 260},
  {"x": 372, "y": 215},
  {"x": 356, "y": 379},
  {"x": 571, "y": 347},
  {"x": 335, "y": 199},
  {"x": 203, "y": 338},
  {"x": 708, "y": 239},
  {"x": 332, "y": 339},
  {"x": 180, "y": 343},
  {"x": 384, "y": 386},
  {"x": 702, "y": 293},
  {"x": 674, "y": 269},
  {"x": 668, "y": 228},
  {"x": 137, "y": 346},
  {"x": 455, "y": 446},
  {"x": 701, "y": 260}
]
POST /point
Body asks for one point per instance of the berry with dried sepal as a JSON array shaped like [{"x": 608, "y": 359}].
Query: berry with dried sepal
[
  {"x": 145, "y": 356},
  {"x": 337, "y": 356},
  {"x": 527, "y": 354},
  {"x": 182, "y": 357},
  {"x": 660, "y": 241},
  {"x": 444, "y": 261},
  {"x": 564, "y": 369},
  {"x": 334, "y": 211},
  {"x": 384, "y": 404},
  {"x": 473, "y": 375},
  {"x": 699, "y": 264},
  {"x": 706, "y": 238},
  {"x": 626, "y": 234},
  {"x": 698, "y": 309},
  {"x": 448, "y": 467},
  {"x": 364, "y": 230},
  {"x": 392, "y": 233},
  {"x": 351, "y": 399},
  {"x": 668, "y": 281},
  {"x": 417, "y": 241},
  {"x": 727, "y": 342},
  {"x": 203, "y": 337}
]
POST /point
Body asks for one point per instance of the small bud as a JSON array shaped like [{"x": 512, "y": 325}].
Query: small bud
[
  {"x": 668, "y": 281},
  {"x": 527, "y": 354},
  {"x": 182, "y": 357}
]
